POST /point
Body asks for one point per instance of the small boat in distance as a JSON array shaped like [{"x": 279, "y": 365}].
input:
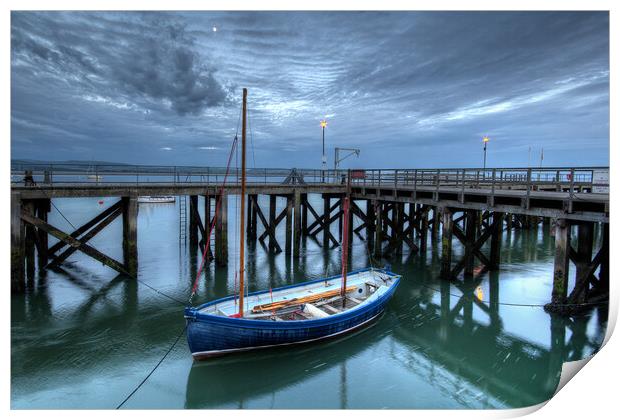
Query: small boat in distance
[
  {"x": 92, "y": 173},
  {"x": 301, "y": 313},
  {"x": 155, "y": 199}
]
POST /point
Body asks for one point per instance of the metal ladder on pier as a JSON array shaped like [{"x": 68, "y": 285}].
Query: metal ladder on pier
[{"x": 182, "y": 220}]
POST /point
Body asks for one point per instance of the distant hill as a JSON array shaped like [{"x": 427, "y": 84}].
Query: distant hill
[{"x": 18, "y": 162}]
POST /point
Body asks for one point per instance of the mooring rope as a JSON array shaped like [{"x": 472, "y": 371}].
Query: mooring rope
[
  {"x": 160, "y": 292},
  {"x": 54, "y": 205},
  {"x": 153, "y": 370},
  {"x": 528, "y": 305}
]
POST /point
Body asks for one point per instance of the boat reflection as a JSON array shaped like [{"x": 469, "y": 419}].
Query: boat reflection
[{"x": 438, "y": 336}]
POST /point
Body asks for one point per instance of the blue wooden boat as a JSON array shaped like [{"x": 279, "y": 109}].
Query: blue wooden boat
[
  {"x": 304, "y": 313},
  {"x": 301, "y": 313}
]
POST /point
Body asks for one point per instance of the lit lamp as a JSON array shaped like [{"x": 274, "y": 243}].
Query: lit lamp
[{"x": 485, "y": 140}]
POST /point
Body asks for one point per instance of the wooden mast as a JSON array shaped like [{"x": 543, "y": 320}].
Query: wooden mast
[{"x": 242, "y": 223}]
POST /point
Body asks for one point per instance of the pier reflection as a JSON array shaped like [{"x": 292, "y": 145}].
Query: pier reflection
[
  {"x": 437, "y": 345},
  {"x": 440, "y": 333}
]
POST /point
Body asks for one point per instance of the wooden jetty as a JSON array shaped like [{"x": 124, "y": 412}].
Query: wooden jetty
[{"x": 392, "y": 208}]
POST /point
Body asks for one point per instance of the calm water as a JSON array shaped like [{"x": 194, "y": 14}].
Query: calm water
[{"x": 85, "y": 337}]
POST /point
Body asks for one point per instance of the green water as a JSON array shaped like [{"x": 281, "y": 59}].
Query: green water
[{"x": 85, "y": 337}]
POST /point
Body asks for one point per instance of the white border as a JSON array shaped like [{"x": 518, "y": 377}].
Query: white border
[{"x": 592, "y": 394}]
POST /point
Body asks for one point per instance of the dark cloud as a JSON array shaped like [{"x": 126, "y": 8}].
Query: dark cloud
[
  {"x": 153, "y": 61},
  {"x": 408, "y": 88}
]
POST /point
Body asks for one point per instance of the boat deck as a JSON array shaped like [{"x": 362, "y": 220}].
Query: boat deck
[{"x": 309, "y": 300}]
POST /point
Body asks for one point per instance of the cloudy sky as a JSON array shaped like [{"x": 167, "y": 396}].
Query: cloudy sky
[{"x": 416, "y": 89}]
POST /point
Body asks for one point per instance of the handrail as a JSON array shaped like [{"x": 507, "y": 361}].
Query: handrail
[{"x": 559, "y": 178}]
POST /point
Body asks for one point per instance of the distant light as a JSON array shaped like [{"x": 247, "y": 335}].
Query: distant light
[
  {"x": 215, "y": 29},
  {"x": 323, "y": 123},
  {"x": 485, "y": 139}
]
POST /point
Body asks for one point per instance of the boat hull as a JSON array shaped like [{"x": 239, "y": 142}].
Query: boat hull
[
  {"x": 209, "y": 354},
  {"x": 210, "y": 336}
]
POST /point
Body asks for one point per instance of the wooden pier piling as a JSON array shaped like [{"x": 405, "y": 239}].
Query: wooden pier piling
[
  {"x": 560, "y": 270},
  {"x": 288, "y": 244},
  {"x": 424, "y": 228},
  {"x": 130, "y": 234},
  {"x": 297, "y": 223},
  {"x": 221, "y": 232},
  {"x": 193, "y": 224},
  {"x": 378, "y": 248},
  {"x": 18, "y": 245},
  {"x": 496, "y": 239},
  {"x": 446, "y": 243},
  {"x": 29, "y": 241},
  {"x": 395, "y": 215}
]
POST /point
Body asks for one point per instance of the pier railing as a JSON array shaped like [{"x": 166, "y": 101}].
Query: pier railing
[
  {"x": 71, "y": 174},
  {"x": 582, "y": 179},
  {"x": 591, "y": 179}
]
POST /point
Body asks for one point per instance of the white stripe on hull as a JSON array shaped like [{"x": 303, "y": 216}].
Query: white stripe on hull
[{"x": 214, "y": 353}]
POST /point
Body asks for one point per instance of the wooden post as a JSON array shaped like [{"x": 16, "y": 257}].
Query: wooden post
[
  {"x": 288, "y": 247},
  {"x": 297, "y": 223},
  {"x": 130, "y": 234},
  {"x": 398, "y": 218},
  {"x": 385, "y": 214},
  {"x": 604, "y": 271},
  {"x": 378, "y": 250},
  {"x": 585, "y": 240},
  {"x": 496, "y": 239},
  {"x": 446, "y": 243},
  {"x": 28, "y": 207},
  {"x": 436, "y": 223},
  {"x": 42, "y": 210},
  {"x": 193, "y": 224},
  {"x": 424, "y": 229},
  {"x": 254, "y": 216},
  {"x": 17, "y": 245},
  {"x": 248, "y": 225},
  {"x": 326, "y": 206},
  {"x": 207, "y": 217},
  {"x": 411, "y": 218},
  {"x": 272, "y": 221},
  {"x": 561, "y": 263},
  {"x": 221, "y": 232},
  {"x": 304, "y": 214},
  {"x": 371, "y": 223},
  {"x": 470, "y": 232}
]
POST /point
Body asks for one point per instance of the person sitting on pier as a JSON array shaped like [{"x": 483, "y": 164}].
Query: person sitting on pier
[{"x": 29, "y": 179}]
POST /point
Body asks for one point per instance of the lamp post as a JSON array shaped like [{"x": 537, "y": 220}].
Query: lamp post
[
  {"x": 485, "y": 140},
  {"x": 324, "y": 158}
]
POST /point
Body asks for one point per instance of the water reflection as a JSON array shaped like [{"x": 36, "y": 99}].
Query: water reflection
[
  {"x": 84, "y": 337},
  {"x": 434, "y": 334}
]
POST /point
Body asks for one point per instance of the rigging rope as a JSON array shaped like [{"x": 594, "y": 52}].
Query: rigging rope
[
  {"x": 251, "y": 138},
  {"x": 218, "y": 205}
]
